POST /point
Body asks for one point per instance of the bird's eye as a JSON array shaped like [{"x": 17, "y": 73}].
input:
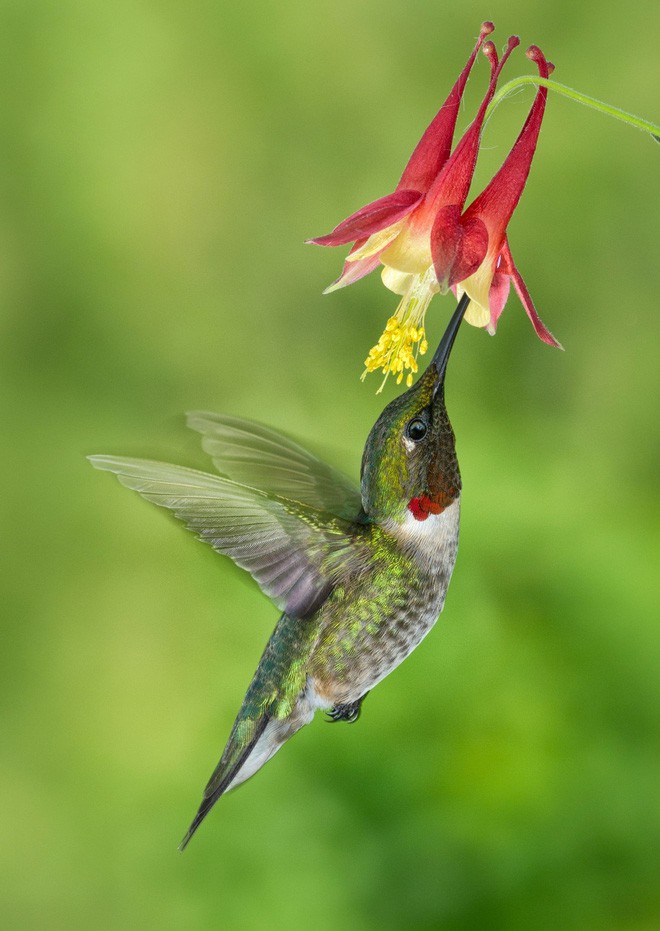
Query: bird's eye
[{"x": 416, "y": 430}]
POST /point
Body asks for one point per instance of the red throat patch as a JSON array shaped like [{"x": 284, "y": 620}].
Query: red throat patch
[{"x": 421, "y": 507}]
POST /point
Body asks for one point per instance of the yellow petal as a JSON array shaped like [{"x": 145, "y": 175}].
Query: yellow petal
[
  {"x": 376, "y": 242},
  {"x": 477, "y": 287},
  {"x": 477, "y": 315},
  {"x": 396, "y": 281},
  {"x": 411, "y": 251}
]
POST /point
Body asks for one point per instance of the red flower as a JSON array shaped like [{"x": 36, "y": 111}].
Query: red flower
[
  {"x": 424, "y": 238},
  {"x": 488, "y": 278},
  {"x": 402, "y": 220}
]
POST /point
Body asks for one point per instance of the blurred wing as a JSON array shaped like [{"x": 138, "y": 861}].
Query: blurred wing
[
  {"x": 294, "y": 552},
  {"x": 249, "y": 452}
]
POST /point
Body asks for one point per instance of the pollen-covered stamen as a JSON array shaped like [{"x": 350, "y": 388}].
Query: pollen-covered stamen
[
  {"x": 397, "y": 350},
  {"x": 404, "y": 337}
]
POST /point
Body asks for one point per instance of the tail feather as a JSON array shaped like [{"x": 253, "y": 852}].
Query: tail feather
[
  {"x": 243, "y": 758},
  {"x": 225, "y": 773},
  {"x": 276, "y": 705}
]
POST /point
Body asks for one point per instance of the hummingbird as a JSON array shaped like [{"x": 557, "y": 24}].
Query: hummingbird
[{"x": 360, "y": 575}]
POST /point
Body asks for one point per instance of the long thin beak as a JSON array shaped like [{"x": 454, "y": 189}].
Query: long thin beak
[{"x": 441, "y": 356}]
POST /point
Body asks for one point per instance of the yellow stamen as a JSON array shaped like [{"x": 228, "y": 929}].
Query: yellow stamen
[{"x": 404, "y": 337}]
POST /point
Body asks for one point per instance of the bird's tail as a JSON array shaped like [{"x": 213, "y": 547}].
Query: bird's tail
[{"x": 253, "y": 741}]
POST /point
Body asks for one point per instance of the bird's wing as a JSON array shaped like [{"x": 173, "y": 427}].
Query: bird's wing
[
  {"x": 294, "y": 552},
  {"x": 261, "y": 457}
]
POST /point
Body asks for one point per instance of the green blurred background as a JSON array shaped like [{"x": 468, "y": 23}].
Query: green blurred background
[{"x": 163, "y": 163}]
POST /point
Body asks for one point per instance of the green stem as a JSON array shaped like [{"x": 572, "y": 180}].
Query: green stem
[{"x": 628, "y": 118}]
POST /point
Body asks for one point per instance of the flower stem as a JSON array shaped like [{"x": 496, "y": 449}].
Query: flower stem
[{"x": 587, "y": 101}]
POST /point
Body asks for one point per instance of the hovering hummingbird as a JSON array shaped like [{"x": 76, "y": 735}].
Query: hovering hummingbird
[{"x": 360, "y": 577}]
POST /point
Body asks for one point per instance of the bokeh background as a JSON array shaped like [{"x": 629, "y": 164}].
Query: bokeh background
[{"x": 162, "y": 163}]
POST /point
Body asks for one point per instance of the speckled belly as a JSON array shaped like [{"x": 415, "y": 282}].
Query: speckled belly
[{"x": 350, "y": 662}]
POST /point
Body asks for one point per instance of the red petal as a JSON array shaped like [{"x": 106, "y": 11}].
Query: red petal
[
  {"x": 452, "y": 184},
  {"x": 458, "y": 248},
  {"x": 371, "y": 219},
  {"x": 353, "y": 271},
  {"x": 526, "y": 300},
  {"x": 433, "y": 149},
  {"x": 499, "y": 199},
  {"x": 497, "y": 298}
]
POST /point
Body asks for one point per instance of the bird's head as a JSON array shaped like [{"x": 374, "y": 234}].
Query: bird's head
[{"x": 409, "y": 465}]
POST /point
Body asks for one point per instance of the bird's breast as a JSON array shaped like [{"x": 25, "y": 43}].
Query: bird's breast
[{"x": 370, "y": 629}]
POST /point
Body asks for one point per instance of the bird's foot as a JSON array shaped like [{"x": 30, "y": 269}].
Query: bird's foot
[{"x": 348, "y": 711}]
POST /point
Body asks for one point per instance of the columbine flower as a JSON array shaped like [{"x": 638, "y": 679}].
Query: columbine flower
[
  {"x": 424, "y": 215},
  {"x": 481, "y": 230}
]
